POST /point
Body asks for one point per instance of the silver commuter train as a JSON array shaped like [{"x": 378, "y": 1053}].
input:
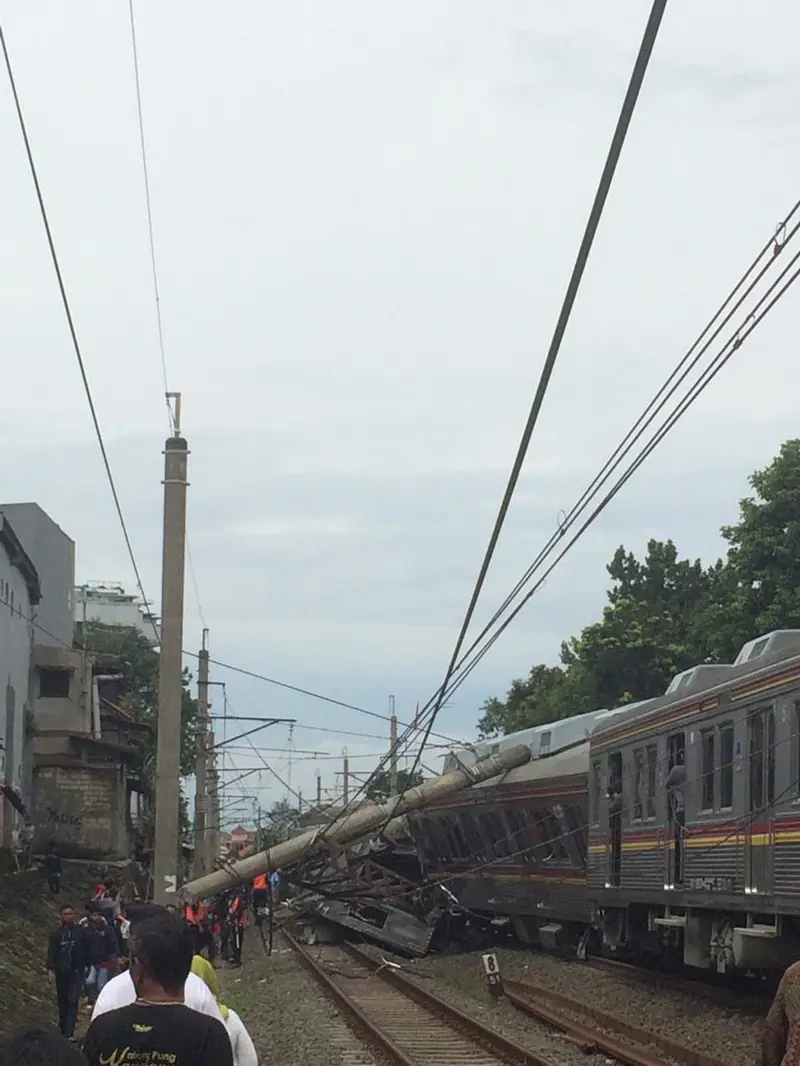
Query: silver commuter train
[{"x": 600, "y": 840}]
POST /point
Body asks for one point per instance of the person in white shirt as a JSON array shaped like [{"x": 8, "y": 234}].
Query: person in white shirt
[
  {"x": 119, "y": 992},
  {"x": 244, "y": 1052}
]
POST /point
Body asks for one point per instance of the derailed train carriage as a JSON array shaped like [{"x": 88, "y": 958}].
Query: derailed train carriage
[{"x": 600, "y": 840}]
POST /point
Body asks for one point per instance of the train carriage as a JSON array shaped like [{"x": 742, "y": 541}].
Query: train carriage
[
  {"x": 668, "y": 828},
  {"x": 713, "y": 877}
]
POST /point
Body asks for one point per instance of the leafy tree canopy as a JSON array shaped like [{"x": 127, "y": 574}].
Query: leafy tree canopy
[
  {"x": 379, "y": 787},
  {"x": 666, "y": 614}
]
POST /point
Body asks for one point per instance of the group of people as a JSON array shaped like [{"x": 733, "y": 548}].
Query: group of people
[{"x": 165, "y": 1003}]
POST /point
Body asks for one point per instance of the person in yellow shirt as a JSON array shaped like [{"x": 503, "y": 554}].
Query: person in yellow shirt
[{"x": 203, "y": 969}]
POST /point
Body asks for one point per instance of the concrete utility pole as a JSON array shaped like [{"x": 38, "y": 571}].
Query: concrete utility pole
[
  {"x": 214, "y": 828},
  {"x": 202, "y": 863},
  {"x": 319, "y": 789},
  {"x": 357, "y": 824},
  {"x": 170, "y": 668},
  {"x": 346, "y": 776},
  {"x": 393, "y": 749}
]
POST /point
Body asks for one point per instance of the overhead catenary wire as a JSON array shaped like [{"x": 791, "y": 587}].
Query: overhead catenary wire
[
  {"x": 783, "y": 235},
  {"x": 753, "y": 320},
  {"x": 309, "y": 692},
  {"x": 70, "y": 320},
  {"x": 765, "y": 303},
  {"x": 156, "y": 287},
  {"x": 612, "y": 159},
  {"x": 644, "y": 54},
  {"x": 701, "y": 345}
]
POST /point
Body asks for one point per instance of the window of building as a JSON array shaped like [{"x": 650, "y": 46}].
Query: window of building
[
  {"x": 708, "y": 746},
  {"x": 638, "y": 772},
  {"x": 651, "y": 758},
  {"x": 726, "y": 766},
  {"x": 54, "y": 684},
  {"x": 544, "y": 743}
]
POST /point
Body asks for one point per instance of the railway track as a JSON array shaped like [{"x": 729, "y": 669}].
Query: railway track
[
  {"x": 738, "y": 999},
  {"x": 412, "y": 1026},
  {"x": 404, "y": 1023},
  {"x": 598, "y": 1030}
]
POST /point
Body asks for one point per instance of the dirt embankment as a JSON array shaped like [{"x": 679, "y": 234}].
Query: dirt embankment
[{"x": 28, "y": 913}]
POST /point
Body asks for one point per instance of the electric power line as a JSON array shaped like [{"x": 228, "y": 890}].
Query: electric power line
[
  {"x": 156, "y": 288},
  {"x": 606, "y": 178},
  {"x": 68, "y": 313}
]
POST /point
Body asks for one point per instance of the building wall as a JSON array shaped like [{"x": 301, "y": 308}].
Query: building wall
[
  {"x": 53, "y": 554},
  {"x": 15, "y": 659},
  {"x": 112, "y": 606},
  {"x": 82, "y": 808},
  {"x": 70, "y": 709}
]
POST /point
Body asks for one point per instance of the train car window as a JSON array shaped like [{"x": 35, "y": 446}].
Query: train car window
[
  {"x": 594, "y": 796},
  {"x": 726, "y": 766},
  {"x": 651, "y": 757},
  {"x": 553, "y": 830},
  {"x": 577, "y": 830},
  {"x": 708, "y": 747},
  {"x": 495, "y": 833},
  {"x": 544, "y": 844},
  {"x": 638, "y": 773},
  {"x": 761, "y": 744},
  {"x": 524, "y": 835},
  {"x": 475, "y": 846},
  {"x": 544, "y": 743}
]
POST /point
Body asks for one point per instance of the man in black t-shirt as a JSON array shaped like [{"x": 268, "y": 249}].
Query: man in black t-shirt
[
  {"x": 158, "y": 1028},
  {"x": 67, "y": 965}
]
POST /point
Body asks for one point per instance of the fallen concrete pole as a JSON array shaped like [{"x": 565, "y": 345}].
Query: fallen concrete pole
[{"x": 356, "y": 824}]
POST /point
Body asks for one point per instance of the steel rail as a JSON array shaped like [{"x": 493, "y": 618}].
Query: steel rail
[
  {"x": 457, "y": 1021},
  {"x": 605, "y": 1029},
  {"x": 741, "y": 999}
]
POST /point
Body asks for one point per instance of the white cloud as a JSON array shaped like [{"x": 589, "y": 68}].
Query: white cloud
[{"x": 365, "y": 217}]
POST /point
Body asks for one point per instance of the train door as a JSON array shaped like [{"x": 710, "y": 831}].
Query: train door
[
  {"x": 675, "y": 783},
  {"x": 759, "y": 829},
  {"x": 615, "y": 818}
]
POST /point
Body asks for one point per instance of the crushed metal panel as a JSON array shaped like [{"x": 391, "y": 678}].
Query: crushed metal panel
[{"x": 378, "y": 921}]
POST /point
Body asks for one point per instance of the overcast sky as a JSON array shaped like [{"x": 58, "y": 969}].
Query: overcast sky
[{"x": 365, "y": 217}]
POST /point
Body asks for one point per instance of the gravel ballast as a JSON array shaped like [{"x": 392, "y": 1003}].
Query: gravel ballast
[
  {"x": 712, "y": 1028},
  {"x": 289, "y": 1018}
]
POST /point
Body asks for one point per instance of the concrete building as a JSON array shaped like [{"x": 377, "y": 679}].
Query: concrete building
[
  {"x": 19, "y": 596},
  {"x": 111, "y": 605},
  {"x": 53, "y": 556},
  {"x": 84, "y": 756}
]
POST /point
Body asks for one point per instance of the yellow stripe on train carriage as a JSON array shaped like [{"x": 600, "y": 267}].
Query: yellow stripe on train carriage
[
  {"x": 523, "y": 878},
  {"x": 755, "y": 688}
]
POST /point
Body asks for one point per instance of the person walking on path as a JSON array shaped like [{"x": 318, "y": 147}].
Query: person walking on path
[
  {"x": 158, "y": 1027},
  {"x": 52, "y": 868},
  {"x": 103, "y": 952},
  {"x": 67, "y": 966}
]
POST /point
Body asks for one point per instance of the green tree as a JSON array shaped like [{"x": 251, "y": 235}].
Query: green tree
[
  {"x": 648, "y": 632},
  {"x": 546, "y": 694},
  {"x": 379, "y": 787},
  {"x": 759, "y": 584}
]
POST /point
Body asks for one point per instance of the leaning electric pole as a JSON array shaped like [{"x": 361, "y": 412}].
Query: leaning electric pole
[
  {"x": 201, "y": 820},
  {"x": 170, "y": 670}
]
